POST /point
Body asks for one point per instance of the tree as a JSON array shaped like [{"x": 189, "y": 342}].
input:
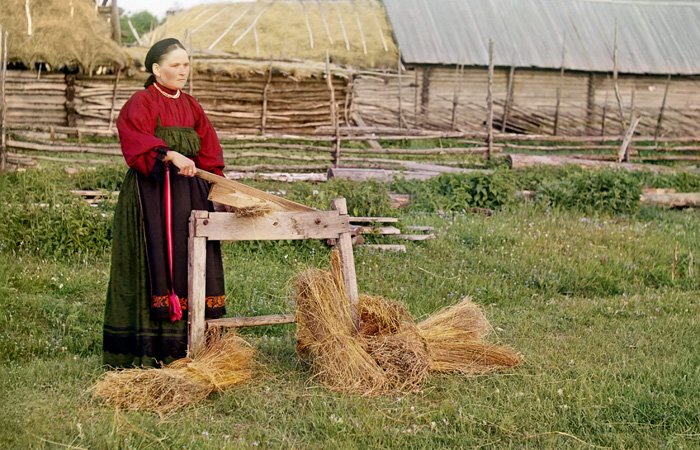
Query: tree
[{"x": 142, "y": 21}]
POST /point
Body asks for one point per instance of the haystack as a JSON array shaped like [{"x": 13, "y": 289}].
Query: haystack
[
  {"x": 224, "y": 362},
  {"x": 355, "y": 33},
  {"x": 62, "y": 34},
  {"x": 388, "y": 352}
]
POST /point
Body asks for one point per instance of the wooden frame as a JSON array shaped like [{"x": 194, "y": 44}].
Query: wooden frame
[{"x": 205, "y": 225}]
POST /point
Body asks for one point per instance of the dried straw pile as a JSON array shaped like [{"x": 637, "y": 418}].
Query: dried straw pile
[
  {"x": 388, "y": 352},
  {"x": 224, "y": 362}
]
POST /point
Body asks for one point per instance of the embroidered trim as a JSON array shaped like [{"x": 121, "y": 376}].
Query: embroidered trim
[{"x": 212, "y": 301}]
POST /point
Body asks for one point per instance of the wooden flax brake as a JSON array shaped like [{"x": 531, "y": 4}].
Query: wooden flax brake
[{"x": 284, "y": 219}]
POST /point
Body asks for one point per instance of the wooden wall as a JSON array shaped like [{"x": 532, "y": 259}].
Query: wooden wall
[{"x": 449, "y": 98}]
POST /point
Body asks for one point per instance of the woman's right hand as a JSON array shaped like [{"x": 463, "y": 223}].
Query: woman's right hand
[{"x": 182, "y": 162}]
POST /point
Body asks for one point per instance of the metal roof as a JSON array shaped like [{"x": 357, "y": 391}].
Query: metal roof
[{"x": 653, "y": 37}]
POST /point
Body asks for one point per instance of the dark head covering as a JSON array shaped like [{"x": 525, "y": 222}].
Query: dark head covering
[{"x": 156, "y": 53}]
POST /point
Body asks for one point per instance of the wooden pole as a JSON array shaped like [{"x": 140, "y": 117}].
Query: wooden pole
[
  {"x": 3, "y": 103},
  {"x": 623, "y": 155},
  {"x": 398, "y": 71},
  {"x": 605, "y": 106},
  {"x": 415, "y": 98},
  {"x": 347, "y": 260},
  {"x": 322, "y": 13},
  {"x": 308, "y": 24},
  {"x": 559, "y": 86},
  {"x": 263, "y": 120},
  {"x": 114, "y": 99},
  {"x": 425, "y": 95},
  {"x": 657, "y": 130},
  {"x": 616, "y": 88},
  {"x": 190, "y": 80},
  {"x": 509, "y": 98},
  {"x": 29, "y": 17},
  {"x": 116, "y": 26},
  {"x": 342, "y": 29},
  {"x": 359, "y": 27},
  {"x": 196, "y": 280},
  {"x": 334, "y": 115},
  {"x": 455, "y": 96},
  {"x": 590, "y": 103},
  {"x": 489, "y": 105}
]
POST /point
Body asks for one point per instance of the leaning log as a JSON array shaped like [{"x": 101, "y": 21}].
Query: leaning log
[
  {"x": 516, "y": 161},
  {"x": 672, "y": 199}
]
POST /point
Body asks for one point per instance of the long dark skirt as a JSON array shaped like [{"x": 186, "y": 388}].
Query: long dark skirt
[{"x": 137, "y": 329}]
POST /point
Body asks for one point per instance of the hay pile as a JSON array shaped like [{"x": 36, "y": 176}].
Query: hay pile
[
  {"x": 388, "y": 352},
  {"x": 225, "y": 361}
]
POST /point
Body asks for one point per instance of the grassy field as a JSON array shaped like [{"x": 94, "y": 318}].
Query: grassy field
[{"x": 603, "y": 305}]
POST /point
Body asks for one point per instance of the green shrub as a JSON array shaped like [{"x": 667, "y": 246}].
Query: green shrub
[
  {"x": 460, "y": 191},
  {"x": 610, "y": 191}
]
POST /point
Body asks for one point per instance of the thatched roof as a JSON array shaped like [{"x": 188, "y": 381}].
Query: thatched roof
[
  {"x": 287, "y": 30},
  {"x": 64, "y": 33}
]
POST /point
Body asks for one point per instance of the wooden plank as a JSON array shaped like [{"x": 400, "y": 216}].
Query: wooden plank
[
  {"x": 356, "y": 229},
  {"x": 272, "y": 226},
  {"x": 386, "y": 247},
  {"x": 196, "y": 279},
  {"x": 419, "y": 228},
  {"x": 344, "y": 246},
  {"x": 239, "y": 322},
  {"x": 363, "y": 219},
  {"x": 415, "y": 237}
]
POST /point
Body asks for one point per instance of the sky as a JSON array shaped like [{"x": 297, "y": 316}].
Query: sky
[{"x": 158, "y": 7}]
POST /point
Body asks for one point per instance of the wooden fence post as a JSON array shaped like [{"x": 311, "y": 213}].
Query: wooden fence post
[
  {"x": 196, "y": 278},
  {"x": 348, "y": 263},
  {"x": 489, "y": 104},
  {"x": 509, "y": 98},
  {"x": 3, "y": 102},
  {"x": 334, "y": 114},
  {"x": 263, "y": 120},
  {"x": 657, "y": 130},
  {"x": 114, "y": 99}
]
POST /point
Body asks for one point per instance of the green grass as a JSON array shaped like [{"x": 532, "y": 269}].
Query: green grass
[{"x": 605, "y": 309}]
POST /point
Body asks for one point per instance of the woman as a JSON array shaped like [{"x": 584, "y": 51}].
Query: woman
[{"x": 165, "y": 136}]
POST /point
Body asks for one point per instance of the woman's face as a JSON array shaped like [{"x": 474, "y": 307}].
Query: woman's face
[{"x": 173, "y": 69}]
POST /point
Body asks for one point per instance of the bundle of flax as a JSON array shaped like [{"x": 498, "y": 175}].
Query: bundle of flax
[
  {"x": 388, "y": 352},
  {"x": 225, "y": 361}
]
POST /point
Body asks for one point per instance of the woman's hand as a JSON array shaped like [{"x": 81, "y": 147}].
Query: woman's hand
[{"x": 183, "y": 163}]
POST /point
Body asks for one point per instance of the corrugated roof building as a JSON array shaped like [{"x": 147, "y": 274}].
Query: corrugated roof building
[
  {"x": 533, "y": 41},
  {"x": 653, "y": 37}
]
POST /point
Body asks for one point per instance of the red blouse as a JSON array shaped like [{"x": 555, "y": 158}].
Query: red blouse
[{"x": 137, "y": 123}]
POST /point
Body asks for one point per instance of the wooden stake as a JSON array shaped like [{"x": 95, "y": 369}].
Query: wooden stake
[
  {"x": 489, "y": 104},
  {"x": 230, "y": 27},
  {"x": 509, "y": 98},
  {"x": 657, "y": 130},
  {"x": 425, "y": 95},
  {"x": 29, "y": 17},
  {"x": 342, "y": 29},
  {"x": 263, "y": 120},
  {"x": 134, "y": 32},
  {"x": 398, "y": 71},
  {"x": 344, "y": 245},
  {"x": 359, "y": 27},
  {"x": 190, "y": 80},
  {"x": 3, "y": 102},
  {"x": 616, "y": 88},
  {"x": 559, "y": 86},
  {"x": 605, "y": 106},
  {"x": 196, "y": 290},
  {"x": 623, "y": 154},
  {"x": 251, "y": 26},
  {"x": 322, "y": 13},
  {"x": 114, "y": 99},
  {"x": 334, "y": 114},
  {"x": 116, "y": 26},
  {"x": 308, "y": 24},
  {"x": 590, "y": 103}
]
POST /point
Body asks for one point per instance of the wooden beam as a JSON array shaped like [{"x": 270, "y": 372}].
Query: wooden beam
[
  {"x": 272, "y": 226},
  {"x": 196, "y": 280},
  {"x": 257, "y": 321},
  {"x": 344, "y": 245},
  {"x": 489, "y": 104},
  {"x": 657, "y": 130}
]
